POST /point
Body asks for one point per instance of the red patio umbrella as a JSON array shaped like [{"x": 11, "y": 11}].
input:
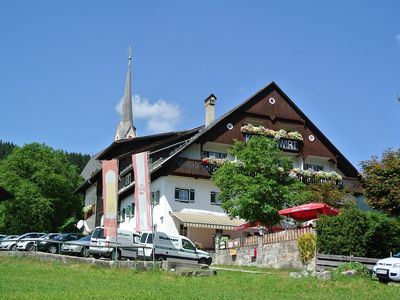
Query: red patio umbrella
[{"x": 309, "y": 211}]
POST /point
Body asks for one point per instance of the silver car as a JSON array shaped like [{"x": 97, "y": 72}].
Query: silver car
[
  {"x": 11, "y": 244},
  {"x": 79, "y": 247}
]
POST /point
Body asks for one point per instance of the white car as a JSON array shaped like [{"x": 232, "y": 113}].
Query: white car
[
  {"x": 11, "y": 244},
  {"x": 29, "y": 244},
  {"x": 388, "y": 269}
]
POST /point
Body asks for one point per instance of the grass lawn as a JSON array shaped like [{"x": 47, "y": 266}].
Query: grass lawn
[{"x": 28, "y": 278}]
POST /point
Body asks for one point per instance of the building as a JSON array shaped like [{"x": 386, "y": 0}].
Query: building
[{"x": 185, "y": 199}]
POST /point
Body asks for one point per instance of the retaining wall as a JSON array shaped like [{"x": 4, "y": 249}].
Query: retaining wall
[{"x": 277, "y": 255}]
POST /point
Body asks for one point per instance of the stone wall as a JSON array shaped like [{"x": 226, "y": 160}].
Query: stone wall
[{"x": 277, "y": 255}]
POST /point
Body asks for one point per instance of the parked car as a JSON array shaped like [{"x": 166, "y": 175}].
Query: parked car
[
  {"x": 11, "y": 243},
  {"x": 31, "y": 243},
  {"x": 104, "y": 246},
  {"x": 6, "y": 240},
  {"x": 54, "y": 245},
  {"x": 79, "y": 247},
  {"x": 2, "y": 236},
  {"x": 174, "y": 246},
  {"x": 388, "y": 269}
]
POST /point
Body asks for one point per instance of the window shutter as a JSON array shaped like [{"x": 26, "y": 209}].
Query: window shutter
[{"x": 191, "y": 195}]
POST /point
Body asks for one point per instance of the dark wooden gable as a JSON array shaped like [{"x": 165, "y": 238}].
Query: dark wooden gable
[{"x": 273, "y": 109}]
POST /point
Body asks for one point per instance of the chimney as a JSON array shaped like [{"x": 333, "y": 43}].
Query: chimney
[{"x": 209, "y": 104}]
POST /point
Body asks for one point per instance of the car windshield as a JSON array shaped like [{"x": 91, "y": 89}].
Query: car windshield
[
  {"x": 60, "y": 237},
  {"x": 85, "y": 238},
  {"x": 397, "y": 255}
]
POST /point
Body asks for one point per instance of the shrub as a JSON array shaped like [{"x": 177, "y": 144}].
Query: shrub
[
  {"x": 361, "y": 270},
  {"x": 368, "y": 234},
  {"x": 306, "y": 244}
]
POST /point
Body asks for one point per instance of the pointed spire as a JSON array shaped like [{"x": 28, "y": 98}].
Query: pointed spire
[{"x": 125, "y": 129}]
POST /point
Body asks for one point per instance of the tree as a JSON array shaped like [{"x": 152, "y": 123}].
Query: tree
[
  {"x": 6, "y": 148},
  {"x": 257, "y": 184},
  {"x": 381, "y": 181},
  {"x": 43, "y": 183}
]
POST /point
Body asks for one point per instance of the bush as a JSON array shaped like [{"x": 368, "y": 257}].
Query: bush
[
  {"x": 368, "y": 234},
  {"x": 361, "y": 270},
  {"x": 306, "y": 244}
]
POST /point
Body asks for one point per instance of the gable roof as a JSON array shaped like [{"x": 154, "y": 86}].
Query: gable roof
[{"x": 343, "y": 164}]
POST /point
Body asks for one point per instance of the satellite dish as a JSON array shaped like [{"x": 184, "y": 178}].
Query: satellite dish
[{"x": 80, "y": 224}]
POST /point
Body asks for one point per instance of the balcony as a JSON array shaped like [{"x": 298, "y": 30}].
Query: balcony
[
  {"x": 353, "y": 185},
  {"x": 192, "y": 167}
]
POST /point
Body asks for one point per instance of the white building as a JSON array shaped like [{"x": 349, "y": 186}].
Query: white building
[{"x": 186, "y": 200}]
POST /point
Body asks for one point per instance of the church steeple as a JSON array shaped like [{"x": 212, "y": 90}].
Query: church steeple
[{"x": 125, "y": 129}]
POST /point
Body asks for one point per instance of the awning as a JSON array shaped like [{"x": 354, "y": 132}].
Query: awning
[{"x": 206, "y": 220}]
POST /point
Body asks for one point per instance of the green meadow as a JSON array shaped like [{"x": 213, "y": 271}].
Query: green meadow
[{"x": 28, "y": 278}]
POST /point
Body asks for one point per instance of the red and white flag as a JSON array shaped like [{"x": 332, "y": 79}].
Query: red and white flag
[
  {"x": 142, "y": 191},
  {"x": 110, "y": 196}
]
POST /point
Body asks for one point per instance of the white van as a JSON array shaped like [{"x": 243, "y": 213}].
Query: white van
[
  {"x": 166, "y": 246},
  {"x": 125, "y": 245}
]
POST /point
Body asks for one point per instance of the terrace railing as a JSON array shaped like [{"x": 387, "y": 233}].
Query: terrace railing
[{"x": 277, "y": 237}]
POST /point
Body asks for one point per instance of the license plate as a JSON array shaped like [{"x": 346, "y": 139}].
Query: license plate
[{"x": 382, "y": 271}]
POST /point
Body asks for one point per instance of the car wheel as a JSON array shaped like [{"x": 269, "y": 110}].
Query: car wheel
[
  {"x": 203, "y": 261},
  {"x": 85, "y": 252},
  {"x": 52, "y": 249},
  {"x": 30, "y": 247},
  {"x": 116, "y": 256},
  {"x": 161, "y": 258},
  {"x": 13, "y": 248},
  {"x": 96, "y": 256}
]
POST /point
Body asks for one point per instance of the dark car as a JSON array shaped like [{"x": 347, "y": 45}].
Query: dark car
[{"x": 54, "y": 245}]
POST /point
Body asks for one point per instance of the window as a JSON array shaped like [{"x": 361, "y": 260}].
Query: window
[
  {"x": 183, "y": 230},
  {"x": 132, "y": 210},
  {"x": 214, "y": 199},
  {"x": 187, "y": 245},
  {"x": 313, "y": 167},
  {"x": 219, "y": 231},
  {"x": 122, "y": 215},
  {"x": 184, "y": 195},
  {"x": 155, "y": 197},
  {"x": 212, "y": 154}
]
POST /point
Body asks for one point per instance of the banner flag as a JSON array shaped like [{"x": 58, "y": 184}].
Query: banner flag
[
  {"x": 110, "y": 196},
  {"x": 142, "y": 191}
]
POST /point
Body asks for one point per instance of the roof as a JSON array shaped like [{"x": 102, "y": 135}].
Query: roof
[
  {"x": 344, "y": 165},
  {"x": 91, "y": 167},
  {"x": 206, "y": 219},
  {"x": 144, "y": 143}
]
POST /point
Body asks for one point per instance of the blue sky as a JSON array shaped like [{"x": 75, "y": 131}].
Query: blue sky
[{"x": 63, "y": 66}]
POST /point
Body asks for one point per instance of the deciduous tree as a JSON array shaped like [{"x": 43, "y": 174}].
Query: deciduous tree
[
  {"x": 381, "y": 180},
  {"x": 42, "y": 181}
]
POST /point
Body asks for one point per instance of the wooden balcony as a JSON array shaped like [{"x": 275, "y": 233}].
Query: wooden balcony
[
  {"x": 353, "y": 185},
  {"x": 192, "y": 167}
]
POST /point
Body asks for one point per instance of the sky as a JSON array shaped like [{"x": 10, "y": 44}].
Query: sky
[{"x": 63, "y": 66}]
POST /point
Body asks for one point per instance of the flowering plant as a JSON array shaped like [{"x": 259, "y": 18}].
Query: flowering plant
[
  {"x": 321, "y": 175},
  {"x": 213, "y": 161},
  {"x": 261, "y": 130},
  {"x": 88, "y": 209}
]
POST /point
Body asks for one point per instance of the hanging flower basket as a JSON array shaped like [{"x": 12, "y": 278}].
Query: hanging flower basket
[{"x": 88, "y": 210}]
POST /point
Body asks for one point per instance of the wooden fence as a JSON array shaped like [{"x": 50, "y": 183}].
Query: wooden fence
[
  {"x": 282, "y": 236},
  {"x": 332, "y": 261}
]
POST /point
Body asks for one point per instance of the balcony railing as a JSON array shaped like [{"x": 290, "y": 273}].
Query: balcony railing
[{"x": 194, "y": 167}]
